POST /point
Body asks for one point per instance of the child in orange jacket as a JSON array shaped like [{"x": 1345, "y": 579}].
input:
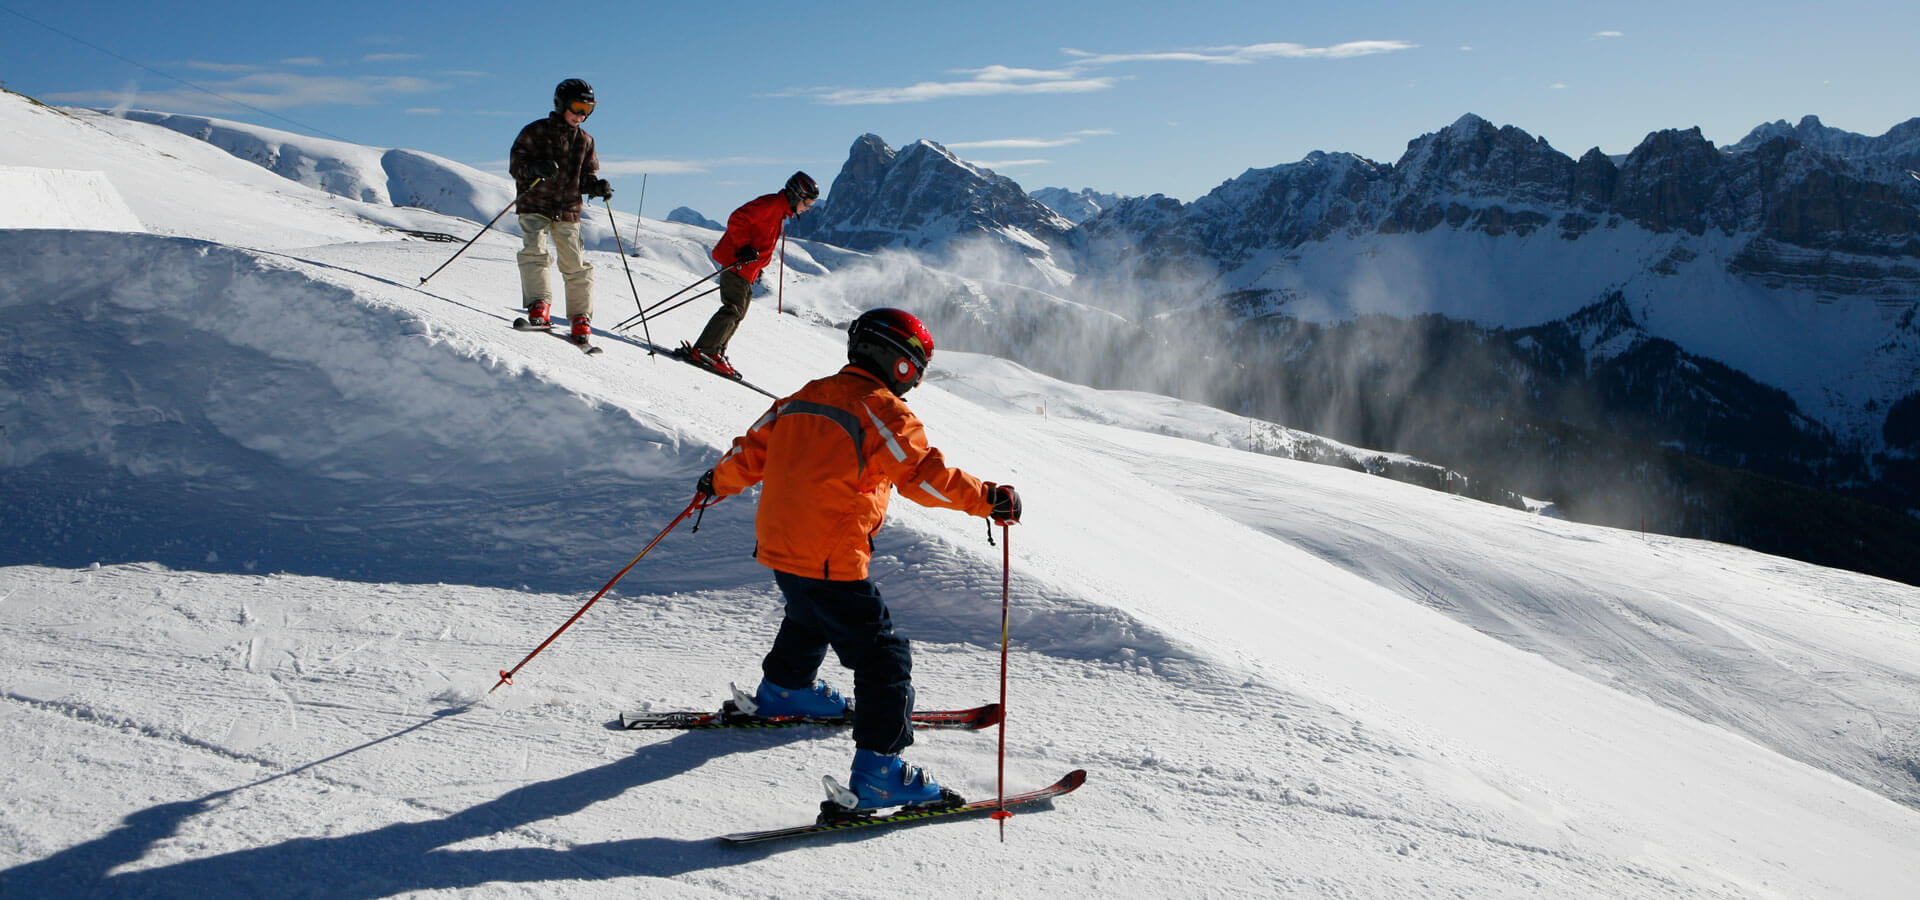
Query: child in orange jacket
[{"x": 828, "y": 459}]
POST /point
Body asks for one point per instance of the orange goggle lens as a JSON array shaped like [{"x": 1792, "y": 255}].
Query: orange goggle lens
[{"x": 581, "y": 107}]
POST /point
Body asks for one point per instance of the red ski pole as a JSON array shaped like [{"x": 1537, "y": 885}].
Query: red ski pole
[
  {"x": 506, "y": 675},
  {"x": 780, "y": 298},
  {"x": 1006, "y": 577}
]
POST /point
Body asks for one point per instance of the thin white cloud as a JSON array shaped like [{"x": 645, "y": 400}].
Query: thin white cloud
[
  {"x": 678, "y": 166},
  {"x": 390, "y": 57},
  {"x": 1609, "y": 34},
  {"x": 1012, "y": 73},
  {"x": 1242, "y": 55},
  {"x": 303, "y": 61},
  {"x": 1077, "y": 77},
  {"x": 263, "y": 91},
  {"x": 230, "y": 68},
  {"x": 1094, "y": 132},
  {"x": 424, "y": 110},
  {"x": 939, "y": 90}
]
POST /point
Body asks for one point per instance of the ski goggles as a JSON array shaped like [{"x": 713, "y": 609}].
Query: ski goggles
[{"x": 581, "y": 108}]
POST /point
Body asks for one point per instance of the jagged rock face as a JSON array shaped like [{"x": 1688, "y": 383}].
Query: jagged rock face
[
  {"x": 922, "y": 197},
  {"x": 1474, "y": 175},
  {"x": 1666, "y": 183},
  {"x": 1819, "y": 201}
]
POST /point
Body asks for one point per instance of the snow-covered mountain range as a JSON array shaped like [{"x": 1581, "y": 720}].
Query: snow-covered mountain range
[
  {"x": 1756, "y": 308},
  {"x": 277, "y": 514}
]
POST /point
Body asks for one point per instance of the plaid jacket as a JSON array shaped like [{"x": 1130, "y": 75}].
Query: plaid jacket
[{"x": 570, "y": 146}]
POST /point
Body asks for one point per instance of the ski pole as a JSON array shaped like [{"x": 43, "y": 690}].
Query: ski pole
[
  {"x": 655, "y": 315},
  {"x": 623, "y": 261},
  {"x": 629, "y": 323},
  {"x": 506, "y": 675},
  {"x": 1006, "y": 579},
  {"x": 483, "y": 230}
]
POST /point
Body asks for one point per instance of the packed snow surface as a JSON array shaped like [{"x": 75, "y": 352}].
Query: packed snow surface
[{"x": 277, "y": 516}]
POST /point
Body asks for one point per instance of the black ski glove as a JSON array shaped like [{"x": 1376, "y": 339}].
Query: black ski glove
[
  {"x": 705, "y": 486},
  {"x": 545, "y": 168},
  {"x": 747, "y": 254},
  {"x": 1006, "y": 503},
  {"x": 600, "y": 188}
]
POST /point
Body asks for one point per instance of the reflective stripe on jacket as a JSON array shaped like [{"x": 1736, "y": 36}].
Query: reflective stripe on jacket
[{"x": 828, "y": 459}]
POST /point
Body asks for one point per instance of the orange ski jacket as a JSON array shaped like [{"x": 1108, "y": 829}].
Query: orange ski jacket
[{"x": 828, "y": 458}]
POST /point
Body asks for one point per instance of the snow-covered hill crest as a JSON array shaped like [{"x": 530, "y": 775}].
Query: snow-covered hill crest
[{"x": 368, "y": 498}]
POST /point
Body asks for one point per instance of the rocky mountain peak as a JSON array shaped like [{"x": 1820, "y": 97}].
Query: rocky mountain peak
[{"x": 923, "y": 196}]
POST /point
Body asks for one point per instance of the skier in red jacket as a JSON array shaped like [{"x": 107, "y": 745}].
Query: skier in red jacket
[{"x": 743, "y": 253}]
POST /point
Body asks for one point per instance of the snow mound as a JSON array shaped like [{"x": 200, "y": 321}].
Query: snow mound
[{"x": 62, "y": 198}]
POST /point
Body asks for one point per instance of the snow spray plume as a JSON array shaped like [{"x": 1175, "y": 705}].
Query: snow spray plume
[
  {"x": 990, "y": 299},
  {"x": 700, "y": 502}
]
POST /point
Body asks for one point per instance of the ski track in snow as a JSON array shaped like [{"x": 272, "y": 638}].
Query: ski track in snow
[{"x": 1284, "y": 679}]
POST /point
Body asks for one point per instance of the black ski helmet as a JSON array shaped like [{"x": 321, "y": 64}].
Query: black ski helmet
[
  {"x": 893, "y": 345},
  {"x": 801, "y": 187},
  {"x": 570, "y": 90}
]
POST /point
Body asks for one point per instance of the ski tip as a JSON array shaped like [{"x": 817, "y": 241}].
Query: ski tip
[{"x": 1073, "y": 780}]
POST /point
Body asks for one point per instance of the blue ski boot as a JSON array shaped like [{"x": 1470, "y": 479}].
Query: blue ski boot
[
  {"x": 880, "y": 780},
  {"x": 818, "y": 700}
]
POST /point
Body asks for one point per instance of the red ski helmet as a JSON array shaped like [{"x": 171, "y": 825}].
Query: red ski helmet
[{"x": 893, "y": 345}]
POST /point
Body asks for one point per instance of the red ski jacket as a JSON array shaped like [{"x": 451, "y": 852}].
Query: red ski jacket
[
  {"x": 755, "y": 224},
  {"x": 828, "y": 459}
]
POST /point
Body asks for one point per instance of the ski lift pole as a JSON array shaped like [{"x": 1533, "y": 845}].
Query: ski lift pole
[
  {"x": 623, "y": 264},
  {"x": 506, "y": 675},
  {"x": 483, "y": 230},
  {"x": 639, "y": 211},
  {"x": 1006, "y": 579}
]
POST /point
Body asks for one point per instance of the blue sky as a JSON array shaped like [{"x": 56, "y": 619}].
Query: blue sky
[{"x": 718, "y": 103}]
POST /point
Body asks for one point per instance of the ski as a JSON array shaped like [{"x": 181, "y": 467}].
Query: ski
[
  {"x": 728, "y": 717},
  {"x": 522, "y": 324},
  {"x": 677, "y": 355},
  {"x": 833, "y": 818}
]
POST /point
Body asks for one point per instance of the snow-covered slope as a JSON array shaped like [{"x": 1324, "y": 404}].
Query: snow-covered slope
[{"x": 326, "y": 507}]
